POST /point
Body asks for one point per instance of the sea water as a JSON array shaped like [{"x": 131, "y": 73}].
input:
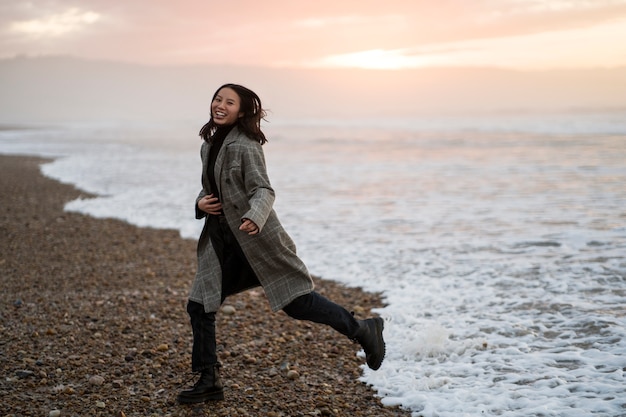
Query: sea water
[{"x": 498, "y": 244}]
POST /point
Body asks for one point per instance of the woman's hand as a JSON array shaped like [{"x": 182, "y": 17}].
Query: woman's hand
[
  {"x": 249, "y": 227},
  {"x": 210, "y": 204}
]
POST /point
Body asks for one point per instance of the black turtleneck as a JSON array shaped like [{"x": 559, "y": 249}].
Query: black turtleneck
[{"x": 216, "y": 142}]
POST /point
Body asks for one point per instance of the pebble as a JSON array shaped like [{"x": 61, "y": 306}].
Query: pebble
[
  {"x": 229, "y": 310},
  {"x": 130, "y": 356},
  {"x": 54, "y": 413},
  {"x": 293, "y": 374},
  {"x": 100, "y": 404},
  {"x": 22, "y": 373},
  {"x": 148, "y": 353},
  {"x": 163, "y": 347},
  {"x": 96, "y": 380}
]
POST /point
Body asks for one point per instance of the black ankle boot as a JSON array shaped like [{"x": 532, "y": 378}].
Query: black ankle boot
[
  {"x": 370, "y": 336},
  {"x": 208, "y": 387}
]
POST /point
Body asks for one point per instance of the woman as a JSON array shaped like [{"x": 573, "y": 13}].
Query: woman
[{"x": 243, "y": 244}]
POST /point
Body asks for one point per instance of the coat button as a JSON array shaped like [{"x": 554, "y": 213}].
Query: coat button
[
  {"x": 236, "y": 207},
  {"x": 227, "y": 180}
]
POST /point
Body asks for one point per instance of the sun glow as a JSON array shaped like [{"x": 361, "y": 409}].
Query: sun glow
[{"x": 374, "y": 59}]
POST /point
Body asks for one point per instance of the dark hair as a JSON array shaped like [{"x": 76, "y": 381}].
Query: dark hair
[{"x": 250, "y": 123}]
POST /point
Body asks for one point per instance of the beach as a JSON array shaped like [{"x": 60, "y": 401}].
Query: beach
[
  {"x": 495, "y": 257},
  {"x": 93, "y": 322}
]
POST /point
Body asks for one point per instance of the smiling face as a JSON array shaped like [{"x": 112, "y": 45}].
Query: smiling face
[{"x": 225, "y": 107}]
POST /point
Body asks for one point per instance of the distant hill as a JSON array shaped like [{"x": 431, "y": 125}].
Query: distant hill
[{"x": 48, "y": 89}]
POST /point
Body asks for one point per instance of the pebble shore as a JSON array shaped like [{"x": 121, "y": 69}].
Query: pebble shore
[{"x": 93, "y": 322}]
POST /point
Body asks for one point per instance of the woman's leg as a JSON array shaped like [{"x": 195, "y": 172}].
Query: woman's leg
[
  {"x": 316, "y": 308},
  {"x": 369, "y": 332},
  {"x": 204, "y": 351},
  {"x": 203, "y": 358}
]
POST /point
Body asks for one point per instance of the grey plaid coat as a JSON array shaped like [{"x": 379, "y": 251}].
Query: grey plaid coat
[{"x": 245, "y": 192}]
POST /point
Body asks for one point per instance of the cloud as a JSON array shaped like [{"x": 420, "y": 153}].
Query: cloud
[
  {"x": 543, "y": 6},
  {"x": 326, "y": 22},
  {"x": 58, "y": 24},
  {"x": 395, "y": 33},
  {"x": 589, "y": 47},
  {"x": 529, "y": 15}
]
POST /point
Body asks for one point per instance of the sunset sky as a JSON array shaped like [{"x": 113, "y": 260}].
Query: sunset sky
[{"x": 390, "y": 34}]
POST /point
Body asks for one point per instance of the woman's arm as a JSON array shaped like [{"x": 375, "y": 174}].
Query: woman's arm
[{"x": 199, "y": 212}]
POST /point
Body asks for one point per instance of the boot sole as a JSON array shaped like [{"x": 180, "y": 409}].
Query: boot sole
[
  {"x": 380, "y": 326},
  {"x": 213, "y": 396}
]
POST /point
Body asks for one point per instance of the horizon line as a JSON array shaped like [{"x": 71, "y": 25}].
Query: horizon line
[{"x": 20, "y": 56}]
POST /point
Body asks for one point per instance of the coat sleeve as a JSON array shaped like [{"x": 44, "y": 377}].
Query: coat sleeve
[
  {"x": 258, "y": 187},
  {"x": 199, "y": 213}
]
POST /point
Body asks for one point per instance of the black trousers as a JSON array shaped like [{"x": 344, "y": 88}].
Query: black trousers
[
  {"x": 237, "y": 275},
  {"x": 312, "y": 307}
]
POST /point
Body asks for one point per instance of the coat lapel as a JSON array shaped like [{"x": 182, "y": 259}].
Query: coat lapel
[
  {"x": 219, "y": 161},
  {"x": 206, "y": 148}
]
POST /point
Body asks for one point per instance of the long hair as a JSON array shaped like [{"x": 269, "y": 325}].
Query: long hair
[{"x": 253, "y": 112}]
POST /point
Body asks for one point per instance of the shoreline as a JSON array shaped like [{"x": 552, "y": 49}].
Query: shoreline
[{"x": 94, "y": 323}]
